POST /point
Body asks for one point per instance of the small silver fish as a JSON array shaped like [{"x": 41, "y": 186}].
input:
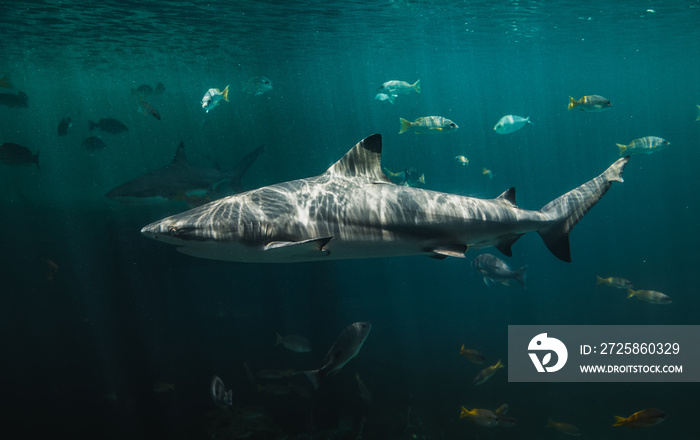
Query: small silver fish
[
  {"x": 212, "y": 98},
  {"x": 399, "y": 87},
  {"x": 428, "y": 124},
  {"x": 510, "y": 124},
  {"x": 343, "y": 350},
  {"x": 222, "y": 398},
  {"x": 493, "y": 269},
  {"x": 385, "y": 97}
]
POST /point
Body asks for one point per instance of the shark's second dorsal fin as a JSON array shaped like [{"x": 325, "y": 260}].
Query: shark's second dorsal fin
[
  {"x": 180, "y": 156},
  {"x": 363, "y": 160}
]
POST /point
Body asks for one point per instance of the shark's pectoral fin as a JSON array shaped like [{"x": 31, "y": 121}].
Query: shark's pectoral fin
[
  {"x": 456, "y": 251},
  {"x": 307, "y": 248}
]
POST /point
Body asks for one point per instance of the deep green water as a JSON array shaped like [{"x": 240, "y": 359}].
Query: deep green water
[{"x": 81, "y": 352}]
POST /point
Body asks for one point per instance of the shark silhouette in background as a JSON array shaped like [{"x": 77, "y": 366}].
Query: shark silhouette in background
[
  {"x": 181, "y": 180},
  {"x": 354, "y": 211}
]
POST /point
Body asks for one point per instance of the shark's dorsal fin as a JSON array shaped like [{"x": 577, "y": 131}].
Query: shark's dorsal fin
[
  {"x": 180, "y": 156},
  {"x": 509, "y": 196},
  {"x": 362, "y": 161}
]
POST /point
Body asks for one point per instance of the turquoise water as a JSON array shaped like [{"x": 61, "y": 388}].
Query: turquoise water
[{"x": 85, "y": 343}]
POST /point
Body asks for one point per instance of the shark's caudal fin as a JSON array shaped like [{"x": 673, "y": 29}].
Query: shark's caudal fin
[{"x": 568, "y": 209}]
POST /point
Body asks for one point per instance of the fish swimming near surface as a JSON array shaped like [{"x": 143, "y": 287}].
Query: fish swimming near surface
[
  {"x": 18, "y": 100},
  {"x": 181, "y": 180},
  {"x": 642, "y": 419},
  {"x": 428, "y": 124},
  {"x": 593, "y": 103},
  {"x": 14, "y": 154},
  {"x": 353, "y": 210},
  {"x": 212, "y": 98},
  {"x": 399, "y": 87},
  {"x": 257, "y": 85},
  {"x": 343, "y": 350},
  {"x": 650, "y": 296},
  {"x": 5, "y": 82},
  {"x": 616, "y": 282},
  {"x": 510, "y": 124},
  {"x": 222, "y": 398},
  {"x": 110, "y": 125},
  {"x": 564, "y": 428},
  {"x": 645, "y": 145},
  {"x": 147, "y": 109},
  {"x": 493, "y": 269},
  {"x": 64, "y": 125},
  {"x": 93, "y": 143}
]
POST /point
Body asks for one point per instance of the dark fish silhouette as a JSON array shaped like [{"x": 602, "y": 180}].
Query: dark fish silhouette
[
  {"x": 147, "y": 109},
  {"x": 93, "y": 143},
  {"x": 11, "y": 100},
  {"x": 64, "y": 125},
  {"x": 13, "y": 154},
  {"x": 109, "y": 125}
]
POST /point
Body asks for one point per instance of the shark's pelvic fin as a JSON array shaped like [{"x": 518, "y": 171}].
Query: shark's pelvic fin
[{"x": 567, "y": 210}]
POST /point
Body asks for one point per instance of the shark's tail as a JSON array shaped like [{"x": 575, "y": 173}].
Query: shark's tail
[{"x": 568, "y": 209}]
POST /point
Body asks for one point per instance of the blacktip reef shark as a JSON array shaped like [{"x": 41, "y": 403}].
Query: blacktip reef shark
[
  {"x": 354, "y": 211},
  {"x": 181, "y": 180}
]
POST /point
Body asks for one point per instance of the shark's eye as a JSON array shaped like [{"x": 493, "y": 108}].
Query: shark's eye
[{"x": 172, "y": 231}]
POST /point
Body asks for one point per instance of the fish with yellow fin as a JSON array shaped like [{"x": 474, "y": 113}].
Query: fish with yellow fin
[
  {"x": 641, "y": 419},
  {"x": 212, "y": 98},
  {"x": 650, "y": 296},
  {"x": 592, "y": 103},
  {"x": 482, "y": 417},
  {"x": 472, "y": 355},
  {"x": 645, "y": 145},
  {"x": 462, "y": 160},
  {"x": 428, "y": 124},
  {"x": 564, "y": 428},
  {"x": 616, "y": 282},
  {"x": 487, "y": 172},
  {"x": 487, "y": 373}
]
